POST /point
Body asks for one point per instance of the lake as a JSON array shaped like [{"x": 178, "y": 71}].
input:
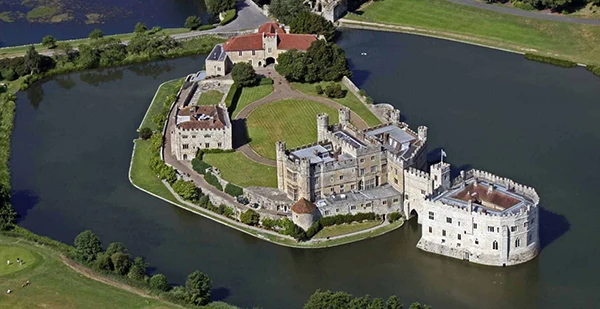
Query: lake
[{"x": 491, "y": 110}]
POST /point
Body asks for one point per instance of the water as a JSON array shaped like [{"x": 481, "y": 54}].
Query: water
[
  {"x": 488, "y": 109},
  {"x": 119, "y": 16}
]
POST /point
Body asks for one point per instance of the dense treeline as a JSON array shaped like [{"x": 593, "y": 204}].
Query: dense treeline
[
  {"x": 343, "y": 300},
  {"x": 307, "y": 22},
  {"x": 322, "y": 61},
  {"x": 564, "y": 6}
]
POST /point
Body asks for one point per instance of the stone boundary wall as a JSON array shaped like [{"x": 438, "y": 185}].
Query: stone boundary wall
[{"x": 354, "y": 89}]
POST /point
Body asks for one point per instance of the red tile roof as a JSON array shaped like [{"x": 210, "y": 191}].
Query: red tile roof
[
  {"x": 244, "y": 42},
  {"x": 295, "y": 41},
  {"x": 216, "y": 114},
  {"x": 479, "y": 193},
  {"x": 271, "y": 28},
  {"x": 303, "y": 207},
  {"x": 255, "y": 41}
]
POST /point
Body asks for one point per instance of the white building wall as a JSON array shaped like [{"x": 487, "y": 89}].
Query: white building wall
[{"x": 185, "y": 143}]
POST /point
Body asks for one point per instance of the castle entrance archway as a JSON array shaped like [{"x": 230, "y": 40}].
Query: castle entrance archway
[
  {"x": 413, "y": 213},
  {"x": 269, "y": 61}
]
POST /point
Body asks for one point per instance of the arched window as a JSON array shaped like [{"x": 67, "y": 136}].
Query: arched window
[
  {"x": 517, "y": 243},
  {"x": 495, "y": 245}
]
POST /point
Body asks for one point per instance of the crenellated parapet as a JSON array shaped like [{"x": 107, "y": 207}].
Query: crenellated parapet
[{"x": 507, "y": 183}]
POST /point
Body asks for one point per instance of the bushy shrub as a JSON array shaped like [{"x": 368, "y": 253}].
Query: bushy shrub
[
  {"x": 348, "y": 218},
  {"x": 319, "y": 89},
  {"x": 212, "y": 179},
  {"x": 362, "y": 93},
  {"x": 270, "y": 224},
  {"x": 243, "y": 74},
  {"x": 156, "y": 142},
  {"x": 314, "y": 229},
  {"x": 558, "y": 62},
  {"x": 200, "y": 166},
  {"x": 233, "y": 190},
  {"x": 394, "y": 216},
  {"x": 192, "y": 22},
  {"x": 145, "y": 133},
  {"x": 187, "y": 190},
  {"x": 159, "y": 282},
  {"x": 523, "y": 5},
  {"x": 334, "y": 90},
  {"x": 250, "y": 217},
  {"x": 9, "y": 74}
]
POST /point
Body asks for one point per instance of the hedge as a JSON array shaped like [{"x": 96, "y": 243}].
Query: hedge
[
  {"x": 206, "y": 27},
  {"x": 233, "y": 190},
  {"x": 200, "y": 166},
  {"x": 228, "y": 16},
  {"x": 558, "y": 62},
  {"x": 212, "y": 179},
  {"x": 348, "y": 218},
  {"x": 394, "y": 216}
]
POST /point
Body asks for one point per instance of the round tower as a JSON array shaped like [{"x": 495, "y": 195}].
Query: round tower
[
  {"x": 344, "y": 116},
  {"x": 280, "y": 150},
  {"x": 423, "y": 133},
  {"x": 322, "y": 126},
  {"x": 304, "y": 214}
]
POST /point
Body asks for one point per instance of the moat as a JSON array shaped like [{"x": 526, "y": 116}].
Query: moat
[{"x": 491, "y": 110}]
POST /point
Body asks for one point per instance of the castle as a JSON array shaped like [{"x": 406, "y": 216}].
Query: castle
[
  {"x": 478, "y": 217},
  {"x": 199, "y": 126},
  {"x": 331, "y": 10},
  {"x": 259, "y": 49}
]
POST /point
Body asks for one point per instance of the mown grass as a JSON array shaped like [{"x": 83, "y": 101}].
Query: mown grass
[
  {"x": 579, "y": 43},
  {"x": 239, "y": 170},
  {"x": 292, "y": 121},
  {"x": 249, "y": 95},
  {"x": 337, "y": 230},
  {"x": 142, "y": 175},
  {"x": 157, "y": 103},
  {"x": 55, "y": 285},
  {"x": 350, "y": 101},
  {"x": 211, "y": 97}
]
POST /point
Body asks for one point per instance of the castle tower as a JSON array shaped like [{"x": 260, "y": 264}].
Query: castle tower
[
  {"x": 280, "y": 149},
  {"x": 344, "y": 115},
  {"x": 440, "y": 174},
  {"x": 395, "y": 116},
  {"x": 322, "y": 126},
  {"x": 270, "y": 45},
  {"x": 423, "y": 133},
  {"x": 304, "y": 180}
]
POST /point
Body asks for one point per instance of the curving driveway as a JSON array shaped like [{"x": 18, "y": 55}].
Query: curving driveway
[{"x": 529, "y": 14}]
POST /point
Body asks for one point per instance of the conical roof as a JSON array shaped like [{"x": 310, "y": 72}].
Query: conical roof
[{"x": 303, "y": 206}]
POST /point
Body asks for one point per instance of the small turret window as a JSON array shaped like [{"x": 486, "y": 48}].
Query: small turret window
[
  {"x": 517, "y": 242},
  {"x": 495, "y": 245}
]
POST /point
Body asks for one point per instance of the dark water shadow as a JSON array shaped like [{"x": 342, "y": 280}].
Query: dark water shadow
[
  {"x": 65, "y": 81},
  {"x": 35, "y": 93},
  {"x": 153, "y": 69},
  {"x": 26, "y": 200},
  {"x": 219, "y": 294},
  {"x": 552, "y": 226},
  {"x": 240, "y": 133},
  {"x": 98, "y": 77}
]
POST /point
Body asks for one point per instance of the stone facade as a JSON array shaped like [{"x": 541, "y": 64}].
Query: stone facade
[{"x": 331, "y": 10}]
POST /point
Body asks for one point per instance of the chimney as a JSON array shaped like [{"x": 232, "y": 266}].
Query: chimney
[
  {"x": 475, "y": 183},
  {"x": 490, "y": 189}
]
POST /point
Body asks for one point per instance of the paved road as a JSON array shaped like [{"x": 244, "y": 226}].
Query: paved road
[{"x": 529, "y": 14}]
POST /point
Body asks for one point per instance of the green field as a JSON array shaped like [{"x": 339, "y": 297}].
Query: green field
[
  {"x": 336, "y": 230},
  {"x": 350, "y": 101},
  {"x": 249, "y": 95},
  {"x": 579, "y": 43},
  {"x": 157, "y": 104},
  {"x": 142, "y": 175},
  {"x": 211, "y": 97},
  {"x": 293, "y": 121},
  {"x": 239, "y": 170},
  {"x": 54, "y": 285}
]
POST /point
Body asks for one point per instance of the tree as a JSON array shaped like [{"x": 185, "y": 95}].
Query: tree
[
  {"x": 115, "y": 247},
  {"x": 96, "y": 34},
  {"x": 7, "y": 212},
  {"x": 159, "y": 282},
  {"x": 330, "y": 59},
  {"x": 87, "y": 245},
  {"x": 121, "y": 262},
  {"x": 89, "y": 57},
  {"x": 307, "y": 22},
  {"x": 250, "y": 217},
  {"x": 198, "y": 286},
  {"x": 286, "y": 10},
  {"x": 138, "y": 269},
  {"x": 192, "y": 22},
  {"x": 186, "y": 189},
  {"x": 334, "y": 90},
  {"x": 140, "y": 27},
  {"x": 66, "y": 50},
  {"x": 243, "y": 74},
  {"x": 418, "y": 306},
  {"x": 393, "y": 303},
  {"x": 377, "y": 303},
  {"x": 112, "y": 53},
  {"x": 145, "y": 133},
  {"x": 233, "y": 190},
  {"x": 49, "y": 41},
  {"x": 9, "y": 74},
  {"x": 104, "y": 262},
  {"x": 292, "y": 65},
  {"x": 328, "y": 299},
  {"x": 217, "y": 6},
  {"x": 33, "y": 60}
]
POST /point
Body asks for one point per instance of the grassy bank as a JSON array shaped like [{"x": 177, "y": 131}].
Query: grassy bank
[
  {"x": 239, "y": 170},
  {"x": 337, "y": 230},
  {"x": 248, "y": 95},
  {"x": 157, "y": 103},
  {"x": 142, "y": 175},
  {"x": 575, "y": 42}
]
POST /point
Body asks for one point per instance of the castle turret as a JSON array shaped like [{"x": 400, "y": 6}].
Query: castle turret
[
  {"x": 440, "y": 174},
  {"x": 322, "y": 125},
  {"x": 304, "y": 179},
  {"x": 344, "y": 115},
  {"x": 423, "y": 133},
  {"x": 280, "y": 150},
  {"x": 395, "y": 116}
]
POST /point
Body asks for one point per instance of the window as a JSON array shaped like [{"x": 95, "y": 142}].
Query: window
[
  {"x": 185, "y": 146},
  {"x": 373, "y": 169},
  {"x": 372, "y": 158},
  {"x": 184, "y": 136},
  {"x": 219, "y": 145},
  {"x": 337, "y": 210},
  {"x": 342, "y": 177},
  {"x": 395, "y": 201},
  {"x": 423, "y": 192},
  {"x": 193, "y": 136},
  {"x": 459, "y": 237},
  {"x": 448, "y": 220},
  {"x": 458, "y": 245},
  {"x": 331, "y": 189},
  {"x": 532, "y": 220},
  {"x": 240, "y": 53},
  {"x": 341, "y": 186},
  {"x": 517, "y": 243},
  {"x": 431, "y": 215},
  {"x": 525, "y": 224},
  {"x": 435, "y": 177},
  {"x": 384, "y": 167},
  {"x": 353, "y": 207},
  {"x": 352, "y": 187},
  {"x": 490, "y": 229},
  {"x": 476, "y": 241},
  {"x": 362, "y": 171},
  {"x": 207, "y": 145},
  {"x": 474, "y": 226},
  {"x": 458, "y": 223},
  {"x": 443, "y": 232},
  {"x": 219, "y": 69},
  {"x": 395, "y": 171},
  {"x": 269, "y": 50},
  {"x": 327, "y": 212},
  {"x": 362, "y": 160},
  {"x": 443, "y": 241},
  {"x": 513, "y": 228},
  {"x": 396, "y": 180},
  {"x": 495, "y": 245},
  {"x": 430, "y": 230},
  {"x": 253, "y": 52},
  {"x": 384, "y": 202},
  {"x": 369, "y": 204}
]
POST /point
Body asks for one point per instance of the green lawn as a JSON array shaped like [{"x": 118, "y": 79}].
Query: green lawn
[
  {"x": 249, "y": 95},
  {"x": 336, "y": 230},
  {"x": 293, "y": 121},
  {"x": 142, "y": 175},
  {"x": 211, "y": 97},
  {"x": 580, "y": 43},
  {"x": 238, "y": 169},
  {"x": 157, "y": 104},
  {"x": 55, "y": 285},
  {"x": 350, "y": 101}
]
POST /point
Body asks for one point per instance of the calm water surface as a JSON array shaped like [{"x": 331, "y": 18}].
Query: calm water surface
[{"x": 535, "y": 123}]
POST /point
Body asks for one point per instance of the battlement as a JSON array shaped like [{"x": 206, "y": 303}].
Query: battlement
[
  {"x": 507, "y": 183},
  {"x": 416, "y": 173},
  {"x": 482, "y": 212}
]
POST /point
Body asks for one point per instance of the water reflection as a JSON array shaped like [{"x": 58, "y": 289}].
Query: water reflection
[{"x": 98, "y": 77}]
